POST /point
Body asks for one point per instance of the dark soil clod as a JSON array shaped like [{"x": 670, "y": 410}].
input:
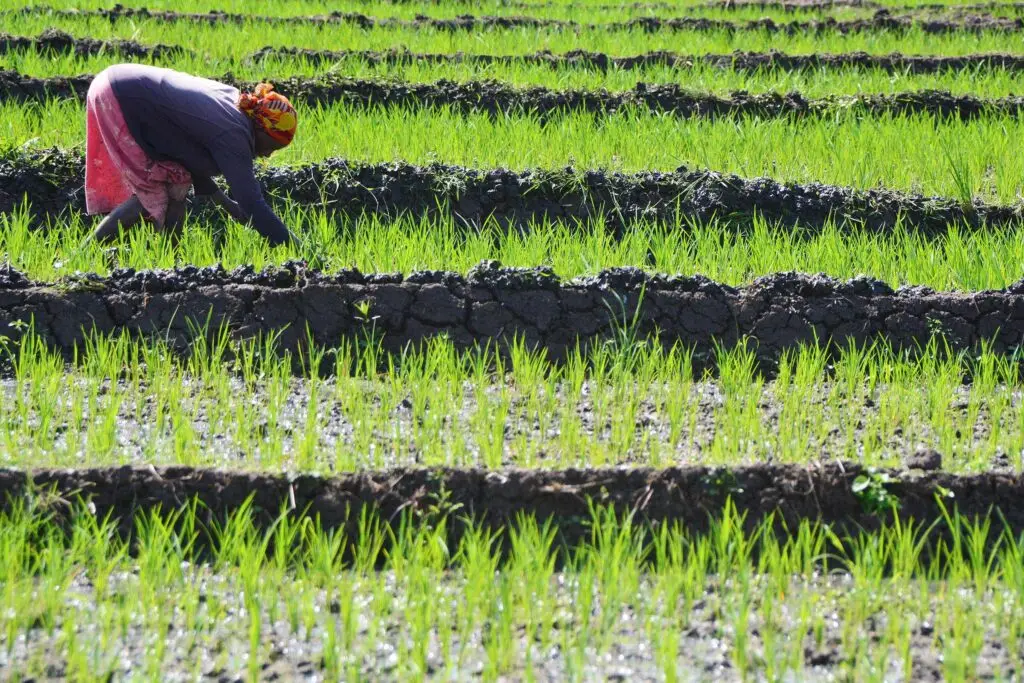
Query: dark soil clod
[{"x": 928, "y": 460}]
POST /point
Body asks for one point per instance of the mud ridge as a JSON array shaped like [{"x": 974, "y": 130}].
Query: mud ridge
[
  {"x": 881, "y": 21},
  {"x": 52, "y": 181},
  {"x": 687, "y": 495},
  {"x": 960, "y": 8},
  {"x": 58, "y": 42},
  {"x": 53, "y": 41},
  {"x": 826, "y": 5},
  {"x": 791, "y": 5},
  {"x": 493, "y": 306},
  {"x": 737, "y": 61},
  {"x": 498, "y": 98}
]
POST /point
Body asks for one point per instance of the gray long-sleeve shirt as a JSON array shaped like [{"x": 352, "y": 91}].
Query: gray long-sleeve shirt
[{"x": 195, "y": 122}]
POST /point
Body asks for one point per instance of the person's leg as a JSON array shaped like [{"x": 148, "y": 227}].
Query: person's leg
[
  {"x": 174, "y": 220},
  {"x": 121, "y": 218}
]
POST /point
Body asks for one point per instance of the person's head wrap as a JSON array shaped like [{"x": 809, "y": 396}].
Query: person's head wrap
[{"x": 271, "y": 111}]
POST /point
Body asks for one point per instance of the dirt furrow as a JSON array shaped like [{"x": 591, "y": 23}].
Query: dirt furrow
[
  {"x": 494, "y": 306},
  {"x": 881, "y": 21},
  {"x": 52, "y": 182},
  {"x": 498, "y": 98},
  {"x": 690, "y": 495},
  {"x": 738, "y": 60},
  {"x": 58, "y": 42}
]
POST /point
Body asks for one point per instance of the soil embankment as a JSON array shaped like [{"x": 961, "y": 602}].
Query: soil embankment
[
  {"x": 500, "y": 99},
  {"x": 58, "y": 42},
  {"x": 882, "y": 20},
  {"x": 494, "y": 306},
  {"x": 52, "y": 183},
  {"x": 827, "y": 5},
  {"x": 739, "y": 60},
  {"x": 691, "y": 496},
  {"x": 53, "y": 41}
]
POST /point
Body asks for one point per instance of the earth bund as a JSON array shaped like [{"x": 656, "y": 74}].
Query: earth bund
[
  {"x": 53, "y": 41},
  {"x": 52, "y": 182},
  {"x": 827, "y": 5},
  {"x": 691, "y": 496},
  {"x": 500, "y": 99},
  {"x": 58, "y": 42},
  {"x": 790, "y": 5},
  {"x": 494, "y": 306},
  {"x": 739, "y": 60},
  {"x": 882, "y": 20}
]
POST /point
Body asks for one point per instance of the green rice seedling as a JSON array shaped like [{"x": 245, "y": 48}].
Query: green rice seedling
[
  {"x": 790, "y": 150},
  {"x": 748, "y": 569},
  {"x": 218, "y": 41},
  {"x": 615, "y": 547},
  {"x": 96, "y": 541},
  {"x": 984, "y": 259},
  {"x": 119, "y": 397},
  {"x": 741, "y": 386}
]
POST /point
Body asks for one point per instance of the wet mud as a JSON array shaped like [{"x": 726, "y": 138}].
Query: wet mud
[
  {"x": 737, "y": 61},
  {"x": 882, "y": 20},
  {"x": 691, "y": 496},
  {"x": 53, "y": 41},
  {"x": 494, "y": 306},
  {"x": 498, "y": 99},
  {"x": 52, "y": 182}
]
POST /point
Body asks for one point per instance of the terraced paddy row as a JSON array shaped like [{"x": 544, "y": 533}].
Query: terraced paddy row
[
  {"x": 383, "y": 453},
  {"x": 606, "y": 11},
  {"x": 472, "y": 198},
  {"x": 496, "y": 99},
  {"x": 504, "y": 368},
  {"x": 215, "y": 41},
  {"x": 437, "y": 607},
  {"x": 882, "y": 20},
  {"x": 487, "y": 81},
  {"x": 51, "y": 44},
  {"x": 628, "y": 8},
  {"x": 211, "y": 52}
]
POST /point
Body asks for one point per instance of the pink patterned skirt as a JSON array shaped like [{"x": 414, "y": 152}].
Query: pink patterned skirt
[{"x": 117, "y": 168}]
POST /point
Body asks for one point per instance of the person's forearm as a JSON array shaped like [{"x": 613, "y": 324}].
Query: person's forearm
[
  {"x": 249, "y": 195},
  {"x": 267, "y": 225}
]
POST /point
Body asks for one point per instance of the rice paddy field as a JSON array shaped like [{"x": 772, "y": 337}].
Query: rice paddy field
[{"x": 670, "y": 340}]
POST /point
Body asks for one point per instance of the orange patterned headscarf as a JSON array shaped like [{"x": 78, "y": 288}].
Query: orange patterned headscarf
[{"x": 271, "y": 111}]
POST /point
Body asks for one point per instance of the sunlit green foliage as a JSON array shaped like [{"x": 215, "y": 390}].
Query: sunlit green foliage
[{"x": 228, "y": 591}]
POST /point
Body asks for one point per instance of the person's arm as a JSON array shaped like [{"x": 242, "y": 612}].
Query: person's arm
[
  {"x": 251, "y": 205},
  {"x": 229, "y": 205}
]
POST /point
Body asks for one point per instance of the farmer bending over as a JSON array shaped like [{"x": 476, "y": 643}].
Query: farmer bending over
[{"x": 152, "y": 132}]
